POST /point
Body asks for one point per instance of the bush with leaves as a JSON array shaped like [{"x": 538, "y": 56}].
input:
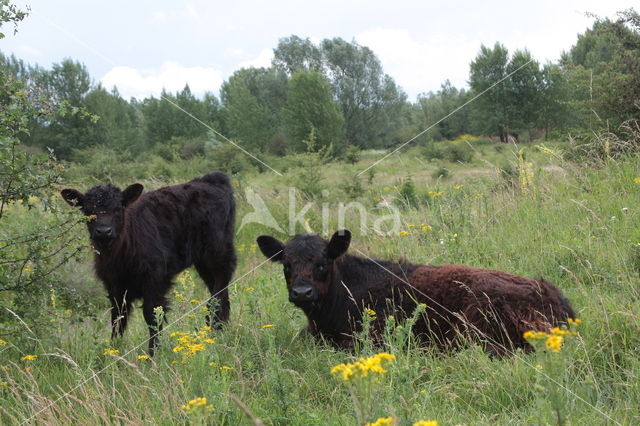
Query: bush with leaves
[{"x": 35, "y": 238}]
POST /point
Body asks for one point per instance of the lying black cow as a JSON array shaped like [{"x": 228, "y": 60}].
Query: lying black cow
[{"x": 333, "y": 289}]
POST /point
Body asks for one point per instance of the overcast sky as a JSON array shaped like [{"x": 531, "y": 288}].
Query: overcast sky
[{"x": 141, "y": 46}]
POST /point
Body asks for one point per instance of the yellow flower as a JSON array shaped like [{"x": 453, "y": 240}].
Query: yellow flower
[
  {"x": 411, "y": 225},
  {"x": 364, "y": 366},
  {"x": 195, "y": 301},
  {"x": 206, "y": 328},
  {"x": 532, "y": 334},
  {"x": 458, "y": 187},
  {"x": 4, "y": 384},
  {"x": 179, "y": 296},
  {"x": 143, "y": 356},
  {"x": 575, "y": 321},
  {"x": 267, "y": 326},
  {"x": 370, "y": 312},
  {"x": 345, "y": 371},
  {"x": 3, "y": 342},
  {"x": 426, "y": 423},
  {"x": 197, "y": 403},
  {"x": 226, "y": 368},
  {"x": 382, "y": 421},
  {"x": 178, "y": 348},
  {"x": 427, "y": 228},
  {"x": 29, "y": 358},
  {"x": 248, "y": 289},
  {"x": 213, "y": 364},
  {"x": 111, "y": 352},
  {"x": 209, "y": 341},
  {"x": 193, "y": 349},
  {"x": 539, "y": 367},
  {"x": 637, "y": 180},
  {"x": 68, "y": 312},
  {"x": 404, "y": 233},
  {"x": 554, "y": 343}
]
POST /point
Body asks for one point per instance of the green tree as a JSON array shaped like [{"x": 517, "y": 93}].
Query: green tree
[
  {"x": 296, "y": 54},
  {"x": 523, "y": 92},
  {"x": 489, "y": 112},
  {"x": 172, "y": 117},
  {"x": 66, "y": 84},
  {"x": 120, "y": 125},
  {"x": 371, "y": 102},
  {"x": 311, "y": 106},
  {"x": 436, "y": 106},
  {"x": 253, "y": 100}
]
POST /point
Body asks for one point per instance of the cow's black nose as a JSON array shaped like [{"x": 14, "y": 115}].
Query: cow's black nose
[
  {"x": 302, "y": 293},
  {"x": 305, "y": 292},
  {"x": 103, "y": 231}
]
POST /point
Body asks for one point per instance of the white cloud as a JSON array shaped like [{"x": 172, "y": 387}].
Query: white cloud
[
  {"x": 421, "y": 66},
  {"x": 262, "y": 60},
  {"x": 29, "y": 51},
  {"x": 171, "y": 76},
  {"x": 236, "y": 52},
  {"x": 159, "y": 16}
]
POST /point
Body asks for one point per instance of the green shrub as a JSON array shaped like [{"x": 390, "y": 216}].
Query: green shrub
[
  {"x": 229, "y": 159},
  {"x": 407, "y": 194},
  {"x": 440, "y": 173},
  {"x": 433, "y": 151},
  {"x": 351, "y": 155},
  {"x": 352, "y": 187},
  {"x": 458, "y": 152}
]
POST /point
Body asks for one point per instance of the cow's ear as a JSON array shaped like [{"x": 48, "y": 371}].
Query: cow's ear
[
  {"x": 131, "y": 193},
  {"x": 73, "y": 197},
  {"x": 339, "y": 244},
  {"x": 271, "y": 247}
]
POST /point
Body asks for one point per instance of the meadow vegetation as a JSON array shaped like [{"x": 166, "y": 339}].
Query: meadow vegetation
[
  {"x": 575, "y": 226},
  {"x": 562, "y": 203}
]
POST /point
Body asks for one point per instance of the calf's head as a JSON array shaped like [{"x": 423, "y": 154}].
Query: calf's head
[
  {"x": 309, "y": 263},
  {"x": 105, "y": 205}
]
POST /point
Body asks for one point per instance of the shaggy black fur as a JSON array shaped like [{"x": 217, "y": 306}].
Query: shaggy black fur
[{"x": 143, "y": 241}]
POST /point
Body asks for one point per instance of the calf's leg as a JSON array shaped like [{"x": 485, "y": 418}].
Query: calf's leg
[
  {"x": 216, "y": 273},
  {"x": 120, "y": 310},
  {"x": 149, "y": 306}
]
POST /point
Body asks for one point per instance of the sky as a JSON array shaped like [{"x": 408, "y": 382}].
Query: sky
[{"x": 143, "y": 46}]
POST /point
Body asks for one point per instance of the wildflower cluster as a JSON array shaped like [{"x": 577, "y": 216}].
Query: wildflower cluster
[
  {"x": 364, "y": 366},
  {"x": 111, "y": 352},
  {"x": 386, "y": 421},
  {"x": 189, "y": 344},
  {"x": 554, "y": 339},
  {"x": 382, "y": 421},
  {"x": 423, "y": 227},
  {"x": 197, "y": 405},
  {"x": 29, "y": 358}
]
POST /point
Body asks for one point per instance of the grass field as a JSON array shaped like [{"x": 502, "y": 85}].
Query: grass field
[{"x": 576, "y": 226}]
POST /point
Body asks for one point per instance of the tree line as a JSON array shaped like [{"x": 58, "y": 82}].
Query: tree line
[{"x": 338, "y": 91}]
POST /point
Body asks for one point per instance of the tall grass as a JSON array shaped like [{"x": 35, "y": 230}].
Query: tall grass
[{"x": 576, "y": 227}]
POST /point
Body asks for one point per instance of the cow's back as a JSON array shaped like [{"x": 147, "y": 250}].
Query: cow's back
[{"x": 180, "y": 223}]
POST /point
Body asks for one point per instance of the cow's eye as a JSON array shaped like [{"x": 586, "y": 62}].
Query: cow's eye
[{"x": 321, "y": 272}]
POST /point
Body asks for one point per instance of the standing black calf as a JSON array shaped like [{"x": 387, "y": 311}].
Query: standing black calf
[{"x": 143, "y": 241}]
